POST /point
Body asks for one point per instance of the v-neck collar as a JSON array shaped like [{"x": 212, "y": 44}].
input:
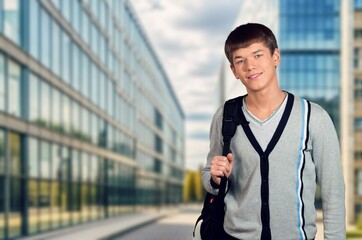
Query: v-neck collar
[{"x": 278, "y": 132}]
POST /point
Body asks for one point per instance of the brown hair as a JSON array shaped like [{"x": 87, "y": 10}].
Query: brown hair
[{"x": 247, "y": 34}]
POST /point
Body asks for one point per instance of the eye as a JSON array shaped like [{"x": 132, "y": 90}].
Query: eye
[
  {"x": 258, "y": 56},
  {"x": 240, "y": 61}
]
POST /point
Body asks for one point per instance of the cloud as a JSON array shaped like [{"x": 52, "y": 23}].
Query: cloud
[{"x": 188, "y": 37}]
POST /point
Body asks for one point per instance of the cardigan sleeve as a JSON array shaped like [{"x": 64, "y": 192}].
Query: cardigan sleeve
[
  {"x": 326, "y": 155},
  {"x": 215, "y": 149}
]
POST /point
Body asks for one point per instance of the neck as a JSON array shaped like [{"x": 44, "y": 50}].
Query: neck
[{"x": 262, "y": 104}]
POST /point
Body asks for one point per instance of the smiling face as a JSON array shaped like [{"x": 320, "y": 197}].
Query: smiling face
[{"x": 256, "y": 67}]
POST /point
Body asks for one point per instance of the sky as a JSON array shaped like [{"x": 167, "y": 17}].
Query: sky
[{"x": 188, "y": 37}]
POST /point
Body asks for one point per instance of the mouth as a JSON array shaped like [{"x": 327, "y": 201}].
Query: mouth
[{"x": 254, "y": 76}]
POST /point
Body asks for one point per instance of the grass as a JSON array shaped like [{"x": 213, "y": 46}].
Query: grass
[{"x": 356, "y": 234}]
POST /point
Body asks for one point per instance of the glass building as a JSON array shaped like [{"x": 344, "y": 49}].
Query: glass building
[
  {"x": 357, "y": 64},
  {"x": 89, "y": 125},
  {"x": 314, "y": 39}
]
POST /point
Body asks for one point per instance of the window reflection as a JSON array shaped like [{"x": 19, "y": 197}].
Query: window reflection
[
  {"x": 2, "y": 83},
  {"x": 12, "y": 20},
  {"x": 14, "y": 97},
  {"x": 15, "y": 196}
]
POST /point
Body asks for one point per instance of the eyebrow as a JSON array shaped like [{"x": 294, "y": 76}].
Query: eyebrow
[{"x": 255, "y": 52}]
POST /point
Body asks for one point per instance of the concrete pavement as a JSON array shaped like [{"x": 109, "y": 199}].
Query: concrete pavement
[{"x": 109, "y": 228}]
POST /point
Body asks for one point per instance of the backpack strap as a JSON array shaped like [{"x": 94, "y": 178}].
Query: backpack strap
[{"x": 231, "y": 119}]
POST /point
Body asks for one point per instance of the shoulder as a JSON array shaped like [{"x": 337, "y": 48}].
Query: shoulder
[{"x": 317, "y": 112}]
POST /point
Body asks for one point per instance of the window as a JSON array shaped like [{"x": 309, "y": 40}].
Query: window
[
  {"x": 45, "y": 41},
  {"x": 76, "y": 67},
  {"x": 12, "y": 20},
  {"x": 159, "y": 144},
  {"x": 2, "y": 83},
  {"x": 34, "y": 29},
  {"x": 75, "y": 119},
  {"x": 357, "y": 4},
  {"x": 45, "y": 103},
  {"x": 357, "y": 57},
  {"x": 66, "y": 9},
  {"x": 95, "y": 84},
  {"x": 56, "y": 167},
  {"x": 158, "y": 119},
  {"x": 359, "y": 182},
  {"x": 57, "y": 49},
  {"x": 358, "y": 124},
  {"x": 85, "y": 76},
  {"x": 14, "y": 84},
  {"x": 15, "y": 193},
  {"x": 66, "y": 114},
  {"x": 33, "y": 98},
  {"x": 76, "y": 15},
  {"x": 358, "y": 155},
  {"x": 33, "y": 165},
  {"x": 56, "y": 122},
  {"x": 45, "y": 160},
  {"x": 66, "y": 58},
  {"x": 85, "y": 27}
]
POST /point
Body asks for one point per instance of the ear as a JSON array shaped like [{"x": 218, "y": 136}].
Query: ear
[
  {"x": 276, "y": 57},
  {"x": 234, "y": 72}
]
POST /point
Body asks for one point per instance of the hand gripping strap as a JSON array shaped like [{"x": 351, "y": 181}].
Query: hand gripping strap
[{"x": 231, "y": 119}]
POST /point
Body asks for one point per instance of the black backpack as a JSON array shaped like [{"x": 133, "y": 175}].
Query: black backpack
[{"x": 212, "y": 214}]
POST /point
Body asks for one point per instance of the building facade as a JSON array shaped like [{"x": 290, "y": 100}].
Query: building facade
[
  {"x": 89, "y": 124},
  {"x": 357, "y": 63},
  {"x": 314, "y": 39}
]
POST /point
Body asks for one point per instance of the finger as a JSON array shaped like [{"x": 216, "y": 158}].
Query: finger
[{"x": 230, "y": 158}]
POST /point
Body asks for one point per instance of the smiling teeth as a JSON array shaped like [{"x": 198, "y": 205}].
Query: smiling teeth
[{"x": 254, "y": 76}]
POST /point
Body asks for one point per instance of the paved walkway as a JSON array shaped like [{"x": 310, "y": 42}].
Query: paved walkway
[
  {"x": 104, "y": 229},
  {"x": 109, "y": 228}
]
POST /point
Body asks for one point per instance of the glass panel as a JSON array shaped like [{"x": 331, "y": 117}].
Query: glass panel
[
  {"x": 33, "y": 204},
  {"x": 45, "y": 38},
  {"x": 84, "y": 187},
  {"x": 44, "y": 204},
  {"x": 75, "y": 67},
  {"x": 85, "y": 75},
  {"x": 34, "y": 29},
  {"x": 15, "y": 154},
  {"x": 55, "y": 204},
  {"x": 75, "y": 120},
  {"x": 14, "y": 218},
  {"x": 2, "y": 83},
  {"x": 11, "y": 20},
  {"x": 66, "y": 114},
  {"x": 66, "y": 9},
  {"x": 2, "y": 182},
  {"x": 15, "y": 196},
  {"x": 45, "y": 160},
  {"x": 66, "y": 58},
  {"x": 56, "y": 112},
  {"x": 64, "y": 191},
  {"x": 56, "y": 167},
  {"x": 57, "y": 49},
  {"x": 85, "y": 125},
  {"x": 34, "y": 99},
  {"x": 14, "y": 88},
  {"x": 33, "y": 164},
  {"x": 75, "y": 188},
  {"x": 45, "y": 103}
]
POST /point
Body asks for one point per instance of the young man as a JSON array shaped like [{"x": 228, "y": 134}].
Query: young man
[{"x": 286, "y": 147}]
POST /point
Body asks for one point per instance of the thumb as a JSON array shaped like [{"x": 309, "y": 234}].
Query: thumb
[{"x": 230, "y": 158}]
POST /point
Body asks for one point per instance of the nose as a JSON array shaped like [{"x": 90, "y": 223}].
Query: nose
[{"x": 249, "y": 64}]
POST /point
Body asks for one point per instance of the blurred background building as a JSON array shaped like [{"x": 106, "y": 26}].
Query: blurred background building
[
  {"x": 315, "y": 39},
  {"x": 89, "y": 124},
  {"x": 357, "y": 63}
]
